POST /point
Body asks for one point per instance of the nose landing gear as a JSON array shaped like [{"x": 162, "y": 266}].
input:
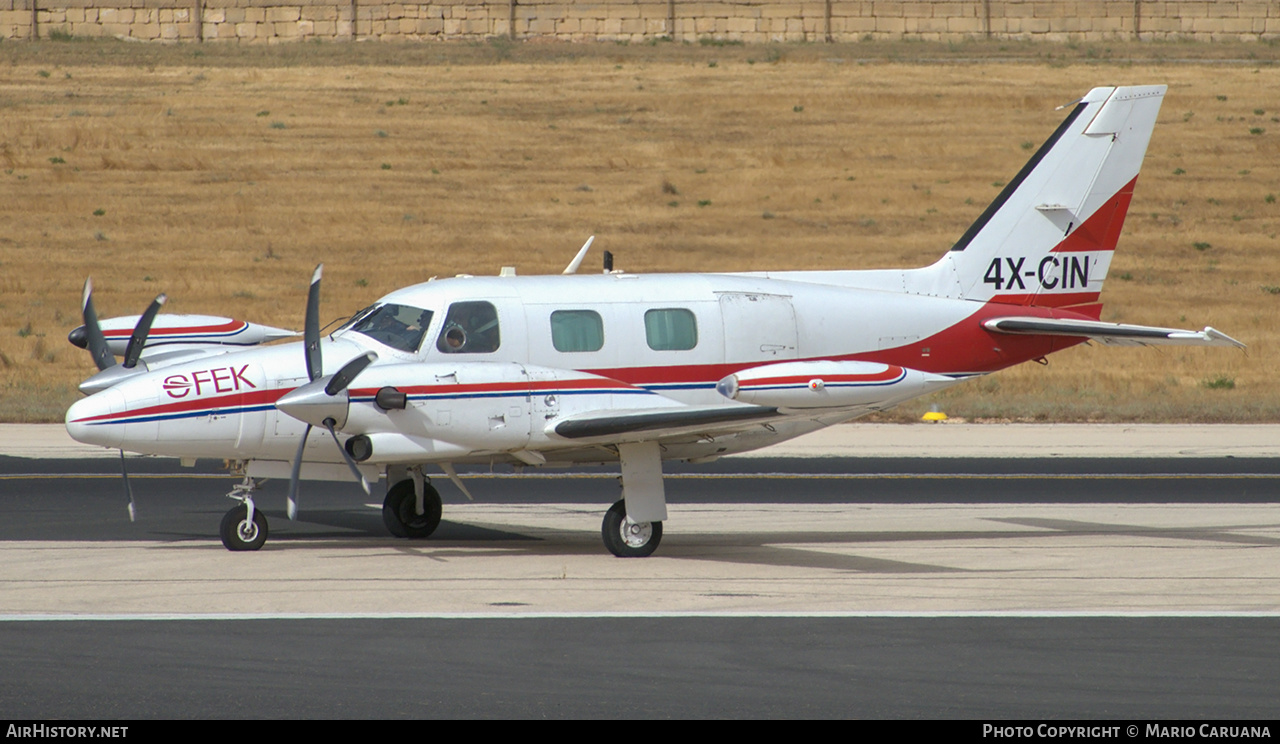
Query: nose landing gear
[{"x": 244, "y": 527}]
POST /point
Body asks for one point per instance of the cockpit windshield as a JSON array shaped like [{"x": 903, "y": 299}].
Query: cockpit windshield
[{"x": 398, "y": 326}]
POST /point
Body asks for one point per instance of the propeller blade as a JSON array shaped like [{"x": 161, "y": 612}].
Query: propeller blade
[
  {"x": 128, "y": 489},
  {"x": 344, "y": 376},
  {"x": 140, "y": 332},
  {"x": 355, "y": 469},
  {"x": 291, "y": 504},
  {"x": 311, "y": 331},
  {"x": 94, "y": 340}
]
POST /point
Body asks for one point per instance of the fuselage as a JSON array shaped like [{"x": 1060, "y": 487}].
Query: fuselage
[{"x": 487, "y": 361}]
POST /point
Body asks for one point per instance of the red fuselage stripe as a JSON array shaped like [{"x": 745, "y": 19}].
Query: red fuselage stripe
[
  {"x": 228, "y": 327},
  {"x": 892, "y": 373}
]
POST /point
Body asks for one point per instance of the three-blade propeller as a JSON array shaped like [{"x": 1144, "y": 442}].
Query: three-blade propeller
[
  {"x": 90, "y": 336},
  {"x": 323, "y": 401}
]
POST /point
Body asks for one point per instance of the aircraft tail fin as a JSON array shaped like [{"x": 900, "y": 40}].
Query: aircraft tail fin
[{"x": 1048, "y": 238}]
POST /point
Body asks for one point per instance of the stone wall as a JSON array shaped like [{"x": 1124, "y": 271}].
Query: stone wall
[{"x": 271, "y": 21}]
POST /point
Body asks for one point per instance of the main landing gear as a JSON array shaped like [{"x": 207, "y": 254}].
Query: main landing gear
[
  {"x": 405, "y": 516},
  {"x": 632, "y": 527},
  {"x": 244, "y": 527},
  {"x": 627, "y": 538}
]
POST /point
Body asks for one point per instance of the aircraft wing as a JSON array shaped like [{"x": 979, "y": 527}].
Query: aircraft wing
[
  {"x": 1110, "y": 334},
  {"x": 667, "y": 421}
]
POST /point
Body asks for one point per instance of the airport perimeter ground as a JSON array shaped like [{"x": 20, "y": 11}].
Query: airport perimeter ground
[{"x": 221, "y": 174}]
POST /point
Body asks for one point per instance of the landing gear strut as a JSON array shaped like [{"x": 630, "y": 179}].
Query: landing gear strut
[
  {"x": 626, "y": 538},
  {"x": 244, "y": 527},
  {"x": 633, "y": 526},
  {"x": 400, "y": 510}
]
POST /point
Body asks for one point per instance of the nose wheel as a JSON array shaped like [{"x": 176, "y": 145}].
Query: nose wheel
[
  {"x": 626, "y": 538},
  {"x": 244, "y": 527},
  {"x": 240, "y": 531}
]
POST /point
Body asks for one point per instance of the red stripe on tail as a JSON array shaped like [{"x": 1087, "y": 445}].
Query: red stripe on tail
[{"x": 1101, "y": 231}]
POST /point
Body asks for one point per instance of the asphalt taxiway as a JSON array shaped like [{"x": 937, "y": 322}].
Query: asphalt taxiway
[{"x": 1104, "y": 582}]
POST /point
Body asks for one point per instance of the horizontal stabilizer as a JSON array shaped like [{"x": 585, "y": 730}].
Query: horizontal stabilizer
[{"x": 1111, "y": 334}]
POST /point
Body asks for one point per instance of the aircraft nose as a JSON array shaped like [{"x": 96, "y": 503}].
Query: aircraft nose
[{"x": 90, "y": 420}]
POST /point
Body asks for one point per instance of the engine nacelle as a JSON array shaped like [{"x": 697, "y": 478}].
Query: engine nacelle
[
  {"x": 388, "y": 446},
  {"x": 828, "y": 384}
]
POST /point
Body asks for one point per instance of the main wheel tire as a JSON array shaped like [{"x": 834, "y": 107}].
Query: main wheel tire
[
  {"x": 627, "y": 539},
  {"x": 400, "y": 511},
  {"x": 238, "y": 533}
]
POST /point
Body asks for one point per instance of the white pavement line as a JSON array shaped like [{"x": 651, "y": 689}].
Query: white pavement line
[
  {"x": 115, "y": 476},
  {"x": 885, "y": 440},
  {"x": 995, "y": 614},
  {"x": 1168, "y": 475}
]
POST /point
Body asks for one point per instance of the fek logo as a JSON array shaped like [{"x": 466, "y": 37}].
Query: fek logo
[{"x": 221, "y": 380}]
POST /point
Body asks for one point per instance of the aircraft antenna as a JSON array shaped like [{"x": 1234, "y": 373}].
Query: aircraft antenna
[{"x": 572, "y": 268}]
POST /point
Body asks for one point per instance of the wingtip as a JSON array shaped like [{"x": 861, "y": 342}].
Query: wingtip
[{"x": 1215, "y": 334}]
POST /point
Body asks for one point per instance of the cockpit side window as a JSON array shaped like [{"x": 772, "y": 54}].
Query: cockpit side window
[
  {"x": 398, "y": 326},
  {"x": 470, "y": 328}
]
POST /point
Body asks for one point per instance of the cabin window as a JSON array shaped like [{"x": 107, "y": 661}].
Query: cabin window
[
  {"x": 577, "y": 330},
  {"x": 398, "y": 326},
  {"x": 671, "y": 329},
  {"x": 470, "y": 328}
]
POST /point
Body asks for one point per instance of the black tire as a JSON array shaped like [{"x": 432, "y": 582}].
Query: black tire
[
  {"x": 638, "y": 541},
  {"x": 400, "y": 513},
  {"x": 238, "y": 533}
]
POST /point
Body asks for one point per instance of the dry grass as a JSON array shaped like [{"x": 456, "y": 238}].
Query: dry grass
[{"x": 221, "y": 175}]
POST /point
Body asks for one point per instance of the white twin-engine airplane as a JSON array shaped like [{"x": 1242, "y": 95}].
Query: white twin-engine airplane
[{"x": 555, "y": 370}]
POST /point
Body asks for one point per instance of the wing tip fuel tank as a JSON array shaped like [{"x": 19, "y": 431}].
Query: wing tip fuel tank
[{"x": 828, "y": 384}]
